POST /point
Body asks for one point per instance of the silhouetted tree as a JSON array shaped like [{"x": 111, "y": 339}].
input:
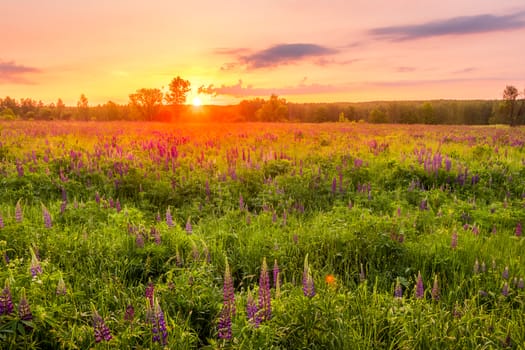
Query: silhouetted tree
[
  {"x": 273, "y": 110},
  {"x": 510, "y": 96},
  {"x": 179, "y": 88},
  {"x": 83, "y": 108},
  {"x": 146, "y": 102}
]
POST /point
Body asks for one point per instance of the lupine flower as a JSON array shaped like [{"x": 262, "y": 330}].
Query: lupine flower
[
  {"x": 435, "y": 289},
  {"x": 178, "y": 259},
  {"x": 308, "y": 281},
  {"x": 150, "y": 291},
  {"x": 334, "y": 185},
  {"x": 505, "y": 289},
  {"x": 225, "y": 324},
  {"x": 276, "y": 272},
  {"x": 1, "y": 222},
  {"x": 228, "y": 307},
  {"x": 518, "y": 229},
  {"x": 156, "y": 235},
  {"x": 47, "y": 217},
  {"x": 19, "y": 215},
  {"x": 251, "y": 310},
  {"x": 420, "y": 289},
  {"x": 139, "y": 240},
  {"x": 169, "y": 218},
  {"x": 505, "y": 273},
  {"x": 24, "y": 311},
  {"x": 97, "y": 197},
  {"x": 241, "y": 203},
  {"x": 117, "y": 206},
  {"x": 61, "y": 287},
  {"x": 102, "y": 331},
  {"x": 265, "y": 303},
  {"x": 454, "y": 240},
  {"x": 295, "y": 238},
  {"x": 483, "y": 267},
  {"x": 6, "y": 300},
  {"x": 155, "y": 316},
  {"x": 476, "y": 267},
  {"x": 521, "y": 284},
  {"x": 36, "y": 268},
  {"x": 398, "y": 290},
  {"x": 189, "y": 228},
  {"x": 63, "y": 207}
]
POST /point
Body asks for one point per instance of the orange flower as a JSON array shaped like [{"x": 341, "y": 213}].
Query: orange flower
[{"x": 330, "y": 280}]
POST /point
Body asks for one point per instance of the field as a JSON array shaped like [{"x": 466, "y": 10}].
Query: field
[{"x": 261, "y": 236}]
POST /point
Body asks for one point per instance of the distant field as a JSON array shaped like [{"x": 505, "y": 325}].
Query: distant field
[{"x": 270, "y": 236}]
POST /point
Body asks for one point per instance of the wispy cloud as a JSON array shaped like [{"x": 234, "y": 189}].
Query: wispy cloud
[
  {"x": 13, "y": 73},
  {"x": 453, "y": 26},
  {"x": 241, "y": 90},
  {"x": 278, "y": 55}
]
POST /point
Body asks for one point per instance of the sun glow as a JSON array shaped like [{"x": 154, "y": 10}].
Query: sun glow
[{"x": 196, "y": 102}]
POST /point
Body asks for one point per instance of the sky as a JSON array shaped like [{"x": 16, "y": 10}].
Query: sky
[{"x": 230, "y": 50}]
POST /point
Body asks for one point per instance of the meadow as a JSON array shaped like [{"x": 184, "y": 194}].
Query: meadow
[{"x": 261, "y": 236}]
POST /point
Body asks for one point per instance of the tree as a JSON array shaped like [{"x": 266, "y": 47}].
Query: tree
[
  {"x": 60, "y": 108},
  {"x": 179, "y": 88},
  {"x": 510, "y": 96},
  {"x": 273, "y": 110},
  {"x": 147, "y": 102},
  {"x": 83, "y": 108}
]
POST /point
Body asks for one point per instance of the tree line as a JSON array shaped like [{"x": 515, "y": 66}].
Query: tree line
[{"x": 154, "y": 105}]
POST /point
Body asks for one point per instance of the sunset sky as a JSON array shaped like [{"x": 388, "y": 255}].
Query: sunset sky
[{"x": 302, "y": 50}]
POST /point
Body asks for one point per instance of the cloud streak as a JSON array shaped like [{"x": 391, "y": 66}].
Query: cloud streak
[
  {"x": 10, "y": 72},
  {"x": 240, "y": 90},
  {"x": 278, "y": 55},
  {"x": 452, "y": 26}
]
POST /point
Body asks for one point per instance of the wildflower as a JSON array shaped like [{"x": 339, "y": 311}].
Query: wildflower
[
  {"x": 420, "y": 289},
  {"x": 178, "y": 259},
  {"x": 330, "y": 280},
  {"x": 505, "y": 273},
  {"x": 241, "y": 203},
  {"x": 423, "y": 205},
  {"x": 97, "y": 197},
  {"x": 454, "y": 240},
  {"x": 362, "y": 275},
  {"x": 265, "y": 304},
  {"x": 251, "y": 310},
  {"x": 36, "y": 268},
  {"x": 63, "y": 207},
  {"x": 228, "y": 307},
  {"x": 476, "y": 267},
  {"x": 19, "y": 215},
  {"x": 155, "y": 316},
  {"x": 398, "y": 290},
  {"x": 169, "y": 218},
  {"x": 1, "y": 222},
  {"x": 276, "y": 272},
  {"x": 435, "y": 289},
  {"x": 505, "y": 289},
  {"x": 189, "y": 228},
  {"x": 295, "y": 238},
  {"x": 225, "y": 324},
  {"x": 521, "y": 284},
  {"x": 308, "y": 281},
  {"x": 518, "y": 229},
  {"x": 156, "y": 235},
  {"x": 102, "y": 331},
  {"x": 61, "y": 287},
  {"x": 24, "y": 311},
  {"x": 483, "y": 267},
  {"x": 47, "y": 217},
  {"x": 118, "y": 206},
  {"x": 6, "y": 301},
  {"x": 139, "y": 240},
  {"x": 150, "y": 291},
  {"x": 129, "y": 315}
]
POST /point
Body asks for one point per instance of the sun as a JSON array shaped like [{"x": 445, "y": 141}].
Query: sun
[{"x": 196, "y": 102}]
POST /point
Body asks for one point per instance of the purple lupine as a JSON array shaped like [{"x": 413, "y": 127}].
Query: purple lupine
[
  {"x": 24, "y": 311},
  {"x": 423, "y": 205},
  {"x": 276, "y": 272},
  {"x": 61, "y": 287},
  {"x": 169, "y": 218},
  {"x": 118, "y": 206},
  {"x": 265, "y": 303},
  {"x": 155, "y": 316},
  {"x": 129, "y": 315},
  {"x": 189, "y": 228},
  {"x": 251, "y": 310},
  {"x": 97, "y": 197},
  {"x": 454, "y": 240},
  {"x": 518, "y": 229},
  {"x": 35, "y": 268},
  {"x": 505, "y": 273},
  {"x": 398, "y": 289},
  {"x": 521, "y": 284},
  {"x": 1, "y": 222},
  {"x": 19, "y": 215},
  {"x": 505, "y": 289},
  {"x": 435, "y": 289},
  {"x": 102, "y": 331},
  {"x": 334, "y": 185},
  {"x": 241, "y": 203},
  {"x": 308, "y": 281},
  {"x": 156, "y": 235},
  {"x": 139, "y": 240},
  {"x": 149, "y": 293},
  {"x": 63, "y": 207},
  {"x": 295, "y": 238},
  {"x": 224, "y": 326},
  {"x": 420, "y": 289},
  {"x": 47, "y": 217},
  {"x": 6, "y": 300}
]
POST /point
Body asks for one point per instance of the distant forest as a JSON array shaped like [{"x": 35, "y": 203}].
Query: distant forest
[{"x": 275, "y": 109}]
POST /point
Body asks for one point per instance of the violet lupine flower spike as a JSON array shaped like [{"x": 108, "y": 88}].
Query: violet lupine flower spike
[
  {"x": 19, "y": 215},
  {"x": 435, "y": 289},
  {"x": 398, "y": 290},
  {"x": 224, "y": 326},
  {"x": 47, "y": 217},
  {"x": 454, "y": 240},
  {"x": 149, "y": 293},
  {"x": 251, "y": 310},
  {"x": 265, "y": 303},
  {"x": 100, "y": 329},
  {"x": 420, "y": 289},
  {"x": 24, "y": 311},
  {"x": 155, "y": 316},
  {"x": 36, "y": 268},
  {"x": 308, "y": 282},
  {"x": 518, "y": 229},
  {"x": 6, "y": 300},
  {"x": 169, "y": 218},
  {"x": 61, "y": 287}
]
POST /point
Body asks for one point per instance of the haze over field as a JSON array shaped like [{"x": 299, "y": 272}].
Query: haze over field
[{"x": 304, "y": 51}]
